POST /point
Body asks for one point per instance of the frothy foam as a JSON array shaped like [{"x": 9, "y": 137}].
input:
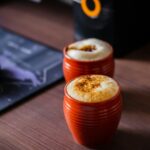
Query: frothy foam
[
  {"x": 92, "y": 88},
  {"x": 89, "y": 49}
]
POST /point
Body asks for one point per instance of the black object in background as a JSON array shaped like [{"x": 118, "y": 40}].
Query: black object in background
[
  {"x": 132, "y": 26},
  {"x": 25, "y": 67},
  {"x": 124, "y": 24},
  {"x": 99, "y": 27}
]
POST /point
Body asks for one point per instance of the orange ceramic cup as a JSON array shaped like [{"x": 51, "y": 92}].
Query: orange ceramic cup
[
  {"x": 73, "y": 68},
  {"x": 92, "y": 124}
]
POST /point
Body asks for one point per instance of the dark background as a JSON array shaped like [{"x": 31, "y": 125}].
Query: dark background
[{"x": 127, "y": 27}]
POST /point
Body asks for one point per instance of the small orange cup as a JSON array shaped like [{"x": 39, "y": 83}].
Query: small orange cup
[
  {"x": 92, "y": 124},
  {"x": 73, "y": 68}
]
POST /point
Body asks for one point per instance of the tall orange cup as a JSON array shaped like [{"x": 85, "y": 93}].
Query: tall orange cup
[
  {"x": 73, "y": 68},
  {"x": 92, "y": 124}
]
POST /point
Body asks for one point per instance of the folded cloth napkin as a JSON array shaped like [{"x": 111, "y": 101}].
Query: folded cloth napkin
[{"x": 10, "y": 70}]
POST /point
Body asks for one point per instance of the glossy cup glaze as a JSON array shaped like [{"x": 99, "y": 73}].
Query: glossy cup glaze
[
  {"x": 92, "y": 124},
  {"x": 73, "y": 68}
]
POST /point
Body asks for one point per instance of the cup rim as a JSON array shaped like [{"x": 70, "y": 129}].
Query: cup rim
[
  {"x": 83, "y": 61},
  {"x": 93, "y": 103}
]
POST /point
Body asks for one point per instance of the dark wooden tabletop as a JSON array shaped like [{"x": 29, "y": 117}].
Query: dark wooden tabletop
[{"x": 38, "y": 124}]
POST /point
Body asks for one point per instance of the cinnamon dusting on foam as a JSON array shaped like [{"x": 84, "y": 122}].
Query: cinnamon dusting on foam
[
  {"x": 92, "y": 88},
  {"x": 86, "y": 48},
  {"x": 89, "y": 49}
]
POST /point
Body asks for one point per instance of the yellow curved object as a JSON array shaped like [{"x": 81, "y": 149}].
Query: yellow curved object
[{"x": 91, "y": 13}]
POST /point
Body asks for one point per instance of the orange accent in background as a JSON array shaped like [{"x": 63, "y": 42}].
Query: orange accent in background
[{"x": 91, "y": 13}]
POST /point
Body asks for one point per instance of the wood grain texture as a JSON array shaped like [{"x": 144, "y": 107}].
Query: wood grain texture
[{"x": 39, "y": 124}]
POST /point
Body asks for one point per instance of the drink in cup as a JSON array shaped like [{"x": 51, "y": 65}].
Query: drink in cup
[
  {"x": 92, "y": 109},
  {"x": 89, "y": 56}
]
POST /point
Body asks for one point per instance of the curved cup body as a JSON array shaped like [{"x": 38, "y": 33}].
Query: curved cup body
[
  {"x": 73, "y": 68},
  {"x": 92, "y": 124}
]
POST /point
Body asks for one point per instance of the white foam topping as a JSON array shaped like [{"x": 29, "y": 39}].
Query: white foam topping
[
  {"x": 89, "y": 49},
  {"x": 92, "y": 88}
]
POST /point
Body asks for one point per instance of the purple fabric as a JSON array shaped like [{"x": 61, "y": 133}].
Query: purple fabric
[{"x": 13, "y": 71}]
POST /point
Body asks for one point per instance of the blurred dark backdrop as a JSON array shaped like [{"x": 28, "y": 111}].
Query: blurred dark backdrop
[{"x": 131, "y": 26}]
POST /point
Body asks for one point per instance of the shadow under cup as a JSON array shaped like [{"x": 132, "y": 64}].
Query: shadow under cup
[
  {"x": 73, "y": 68},
  {"x": 92, "y": 124}
]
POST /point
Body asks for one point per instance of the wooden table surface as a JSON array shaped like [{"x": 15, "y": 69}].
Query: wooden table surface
[{"x": 38, "y": 124}]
